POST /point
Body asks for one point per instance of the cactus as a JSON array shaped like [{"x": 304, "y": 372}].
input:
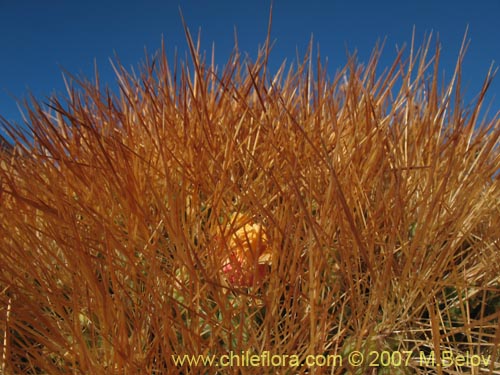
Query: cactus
[{"x": 202, "y": 213}]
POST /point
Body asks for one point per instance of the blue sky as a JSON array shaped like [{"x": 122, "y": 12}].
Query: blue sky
[{"x": 38, "y": 38}]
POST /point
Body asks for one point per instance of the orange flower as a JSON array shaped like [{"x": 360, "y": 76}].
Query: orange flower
[{"x": 248, "y": 252}]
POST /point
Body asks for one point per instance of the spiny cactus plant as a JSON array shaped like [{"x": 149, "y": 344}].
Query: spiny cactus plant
[{"x": 206, "y": 212}]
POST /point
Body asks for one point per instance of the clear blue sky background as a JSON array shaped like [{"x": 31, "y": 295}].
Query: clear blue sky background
[{"x": 37, "y": 38}]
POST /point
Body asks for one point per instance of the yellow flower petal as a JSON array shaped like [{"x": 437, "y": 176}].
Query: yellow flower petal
[{"x": 248, "y": 250}]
